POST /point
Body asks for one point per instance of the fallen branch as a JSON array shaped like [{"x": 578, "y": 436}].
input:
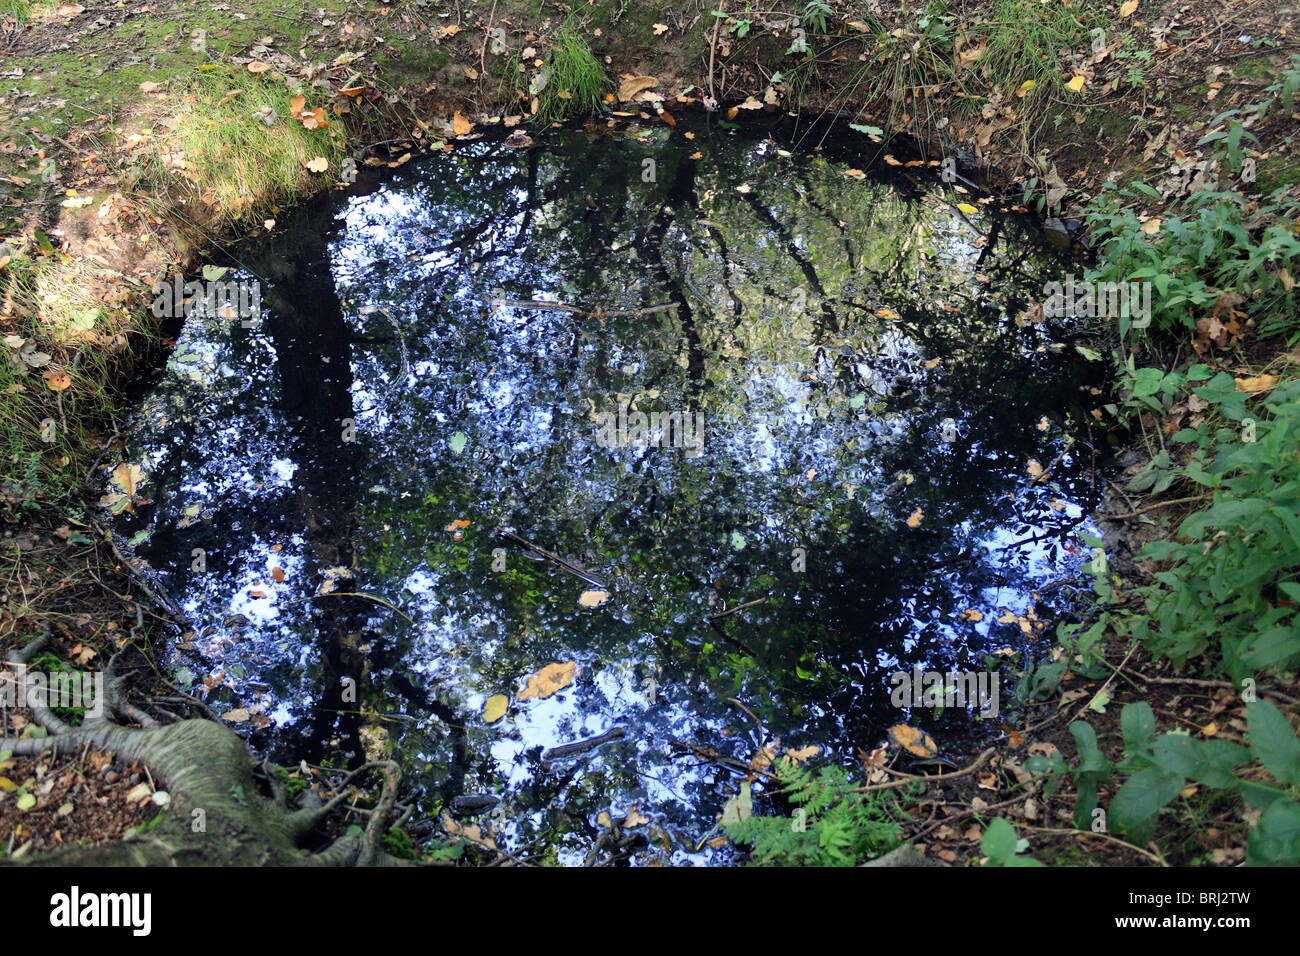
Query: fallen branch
[
  {"x": 733, "y": 610},
  {"x": 555, "y": 559},
  {"x": 905, "y": 779},
  {"x": 1153, "y": 507},
  {"x": 1103, "y": 836}
]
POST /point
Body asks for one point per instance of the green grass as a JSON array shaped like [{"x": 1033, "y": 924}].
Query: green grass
[
  {"x": 51, "y": 313},
  {"x": 238, "y": 163},
  {"x": 577, "y": 82}
]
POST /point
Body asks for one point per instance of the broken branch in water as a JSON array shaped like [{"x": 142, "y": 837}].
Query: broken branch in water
[
  {"x": 582, "y": 746},
  {"x": 738, "y": 607},
  {"x": 555, "y": 558},
  {"x": 361, "y": 594}
]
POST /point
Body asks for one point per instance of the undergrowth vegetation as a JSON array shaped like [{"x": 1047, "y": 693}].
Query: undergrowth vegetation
[
  {"x": 245, "y": 142},
  {"x": 1223, "y": 434}
]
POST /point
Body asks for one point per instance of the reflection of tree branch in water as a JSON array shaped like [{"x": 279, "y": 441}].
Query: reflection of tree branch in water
[
  {"x": 834, "y": 219},
  {"x": 828, "y": 317}
]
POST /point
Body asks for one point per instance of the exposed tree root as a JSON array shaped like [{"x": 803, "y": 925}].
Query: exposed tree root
[{"x": 217, "y": 814}]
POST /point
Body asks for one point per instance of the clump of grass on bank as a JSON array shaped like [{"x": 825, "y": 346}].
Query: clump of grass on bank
[
  {"x": 941, "y": 59},
  {"x": 575, "y": 81},
  {"x": 241, "y": 147},
  {"x": 61, "y": 347}
]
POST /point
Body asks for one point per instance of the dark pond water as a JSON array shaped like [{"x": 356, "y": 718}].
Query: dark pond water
[{"x": 863, "y": 417}]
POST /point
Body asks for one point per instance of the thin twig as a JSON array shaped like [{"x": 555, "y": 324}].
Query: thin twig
[
  {"x": 554, "y": 558},
  {"x": 929, "y": 777},
  {"x": 359, "y": 594},
  {"x": 1104, "y": 836},
  {"x": 1153, "y": 507},
  {"x": 738, "y": 607}
]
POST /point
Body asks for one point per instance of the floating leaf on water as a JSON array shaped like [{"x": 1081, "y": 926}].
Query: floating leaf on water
[
  {"x": 739, "y": 807},
  {"x": 128, "y": 477},
  {"x": 495, "y": 707},
  {"x": 213, "y": 273},
  {"x": 548, "y": 680},
  {"x": 458, "y": 443},
  {"x": 593, "y": 598},
  {"x": 802, "y": 754},
  {"x": 737, "y": 541},
  {"x": 914, "y": 741},
  {"x": 915, "y": 520},
  {"x": 857, "y": 401},
  {"x": 868, "y": 130}
]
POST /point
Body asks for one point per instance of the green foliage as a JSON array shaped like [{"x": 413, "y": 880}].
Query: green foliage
[
  {"x": 398, "y": 844},
  {"x": 575, "y": 80},
  {"x": 1002, "y": 847},
  {"x": 833, "y": 825},
  {"x": 1211, "y": 242},
  {"x": 815, "y": 14},
  {"x": 1230, "y": 579},
  {"x": 1157, "y": 768}
]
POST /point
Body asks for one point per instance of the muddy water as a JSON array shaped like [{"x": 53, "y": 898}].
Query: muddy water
[{"x": 435, "y": 464}]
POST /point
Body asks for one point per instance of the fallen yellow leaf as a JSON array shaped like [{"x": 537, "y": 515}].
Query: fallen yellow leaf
[
  {"x": 1128, "y": 8},
  {"x": 548, "y": 680},
  {"x": 1256, "y": 383},
  {"x": 495, "y": 707},
  {"x": 1076, "y": 84},
  {"x": 914, "y": 741}
]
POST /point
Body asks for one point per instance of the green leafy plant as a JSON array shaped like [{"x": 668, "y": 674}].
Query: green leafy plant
[
  {"x": 1003, "y": 848},
  {"x": 1229, "y": 580},
  {"x": 816, "y": 13},
  {"x": 833, "y": 825},
  {"x": 572, "y": 82},
  {"x": 1158, "y": 768}
]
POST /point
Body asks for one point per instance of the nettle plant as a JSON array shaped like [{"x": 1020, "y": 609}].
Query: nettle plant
[
  {"x": 1266, "y": 774},
  {"x": 1211, "y": 241},
  {"x": 1228, "y": 584}
]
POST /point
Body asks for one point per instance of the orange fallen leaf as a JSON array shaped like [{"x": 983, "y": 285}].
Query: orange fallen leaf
[
  {"x": 914, "y": 741},
  {"x": 548, "y": 680},
  {"x": 1256, "y": 383},
  {"x": 915, "y": 520},
  {"x": 459, "y": 125},
  {"x": 634, "y": 85}
]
